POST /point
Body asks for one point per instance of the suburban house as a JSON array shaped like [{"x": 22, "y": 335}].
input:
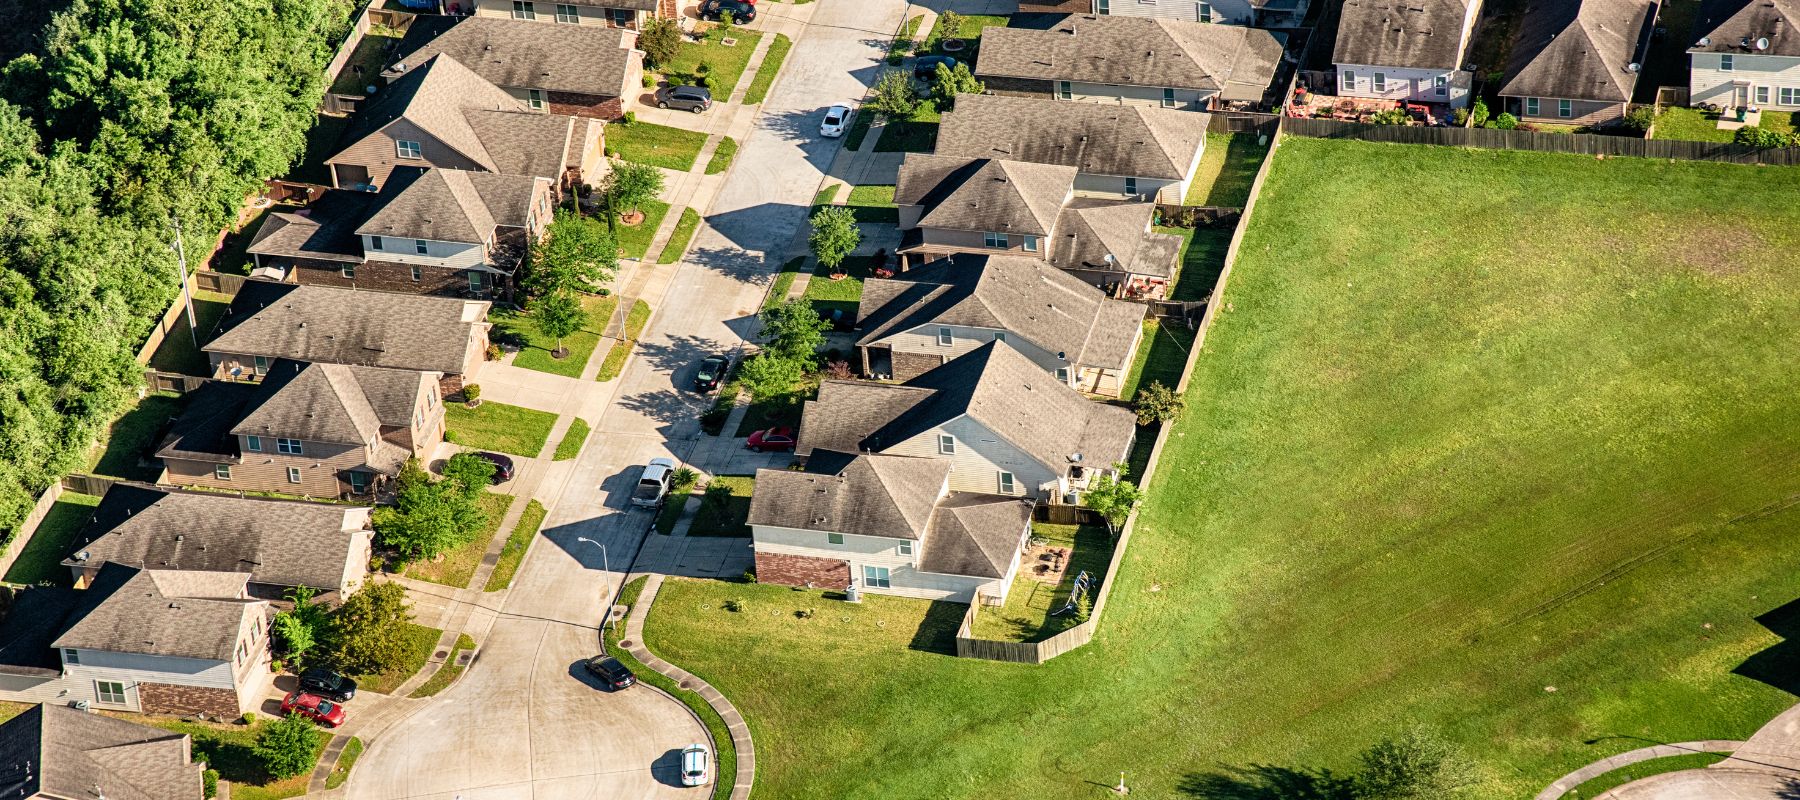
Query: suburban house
[
  {"x": 577, "y": 70},
  {"x": 1132, "y": 61},
  {"x": 613, "y": 13},
  {"x": 429, "y": 231},
  {"x": 1577, "y": 63},
  {"x": 1005, "y": 425},
  {"x": 149, "y": 640},
  {"x": 439, "y": 114},
  {"x": 318, "y": 430},
  {"x": 330, "y": 325},
  {"x": 982, "y": 206},
  {"x": 53, "y": 752},
  {"x": 1118, "y": 152},
  {"x": 1748, "y": 54},
  {"x": 283, "y": 544},
  {"x": 916, "y": 322},
  {"x": 1405, "y": 50},
  {"x": 1256, "y": 13},
  {"x": 889, "y": 523}
]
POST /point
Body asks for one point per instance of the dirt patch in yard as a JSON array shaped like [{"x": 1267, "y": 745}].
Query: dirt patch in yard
[{"x": 1717, "y": 249}]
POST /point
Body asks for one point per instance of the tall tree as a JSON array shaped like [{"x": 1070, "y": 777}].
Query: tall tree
[
  {"x": 771, "y": 377},
  {"x": 287, "y": 746},
  {"x": 557, "y": 315},
  {"x": 469, "y": 473},
  {"x": 893, "y": 95},
  {"x": 1419, "y": 764},
  {"x": 575, "y": 254},
  {"x": 1113, "y": 498},
  {"x": 834, "y": 235},
  {"x": 794, "y": 331},
  {"x": 428, "y": 517},
  {"x": 368, "y": 632},
  {"x": 660, "y": 40},
  {"x": 630, "y": 185}
]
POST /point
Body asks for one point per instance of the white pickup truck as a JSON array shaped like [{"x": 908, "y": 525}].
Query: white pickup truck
[{"x": 653, "y": 485}]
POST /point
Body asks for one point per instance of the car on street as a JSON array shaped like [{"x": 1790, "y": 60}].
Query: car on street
[
  {"x": 712, "y": 372},
  {"x": 691, "y": 98},
  {"x": 925, "y": 68},
  {"x": 328, "y": 684},
  {"x": 653, "y": 484},
  {"x": 740, "y": 10},
  {"x": 503, "y": 466},
  {"x": 610, "y": 671},
  {"x": 313, "y": 707},
  {"x": 837, "y": 119},
  {"x": 780, "y": 437},
  {"x": 694, "y": 764}
]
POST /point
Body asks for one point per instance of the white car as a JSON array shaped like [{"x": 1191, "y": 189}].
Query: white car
[
  {"x": 694, "y": 765},
  {"x": 837, "y": 118}
]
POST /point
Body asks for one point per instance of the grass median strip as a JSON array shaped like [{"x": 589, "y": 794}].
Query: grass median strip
[
  {"x": 516, "y": 545},
  {"x": 722, "y": 155},
  {"x": 447, "y": 672},
  {"x": 725, "y": 774},
  {"x": 771, "y": 66},
  {"x": 570, "y": 446},
  {"x": 678, "y": 241},
  {"x": 346, "y": 762},
  {"x": 635, "y": 319}
]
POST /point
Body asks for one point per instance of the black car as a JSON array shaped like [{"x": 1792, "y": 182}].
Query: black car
[
  {"x": 328, "y": 684},
  {"x": 608, "y": 669},
  {"x": 740, "y": 11},
  {"x": 692, "y": 98},
  {"x": 925, "y": 68},
  {"x": 503, "y": 466},
  {"x": 712, "y": 373}
]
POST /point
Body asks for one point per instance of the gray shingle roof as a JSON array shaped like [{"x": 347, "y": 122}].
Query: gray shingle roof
[
  {"x": 526, "y": 143},
  {"x": 331, "y": 402},
  {"x": 1094, "y": 138},
  {"x": 582, "y": 59},
  {"x": 167, "y": 613},
  {"x": 77, "y": 754},
  {"x": 1734, "y": 26},
  {"x": 1236, "y": 61},
  {"x": 1579, "y": 49},
  {"x": 975, "y": 534},
  {"x": 866, "y": 495},
  {"x": 983, "y": 194},
  {"x": 325, "y": 229},
  {"x": 1422, "y": 34},
  {"x": 279, "y": 542},
  {"x": 1088, "y": 231},
  {"x": 450, "y": 205},
  {"x": 326, "y": 324},
  {"x": 433, "y": 95},
  {"x": 1027, "y": 297}
]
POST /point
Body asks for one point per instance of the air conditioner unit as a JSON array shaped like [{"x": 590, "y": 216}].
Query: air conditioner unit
[{"x": 79, "y": 705}]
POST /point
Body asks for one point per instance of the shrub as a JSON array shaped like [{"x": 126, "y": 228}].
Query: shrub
[
  {"x": 629, "y": 117},
  {"x": 734, "y": 605},
  {"x": 1460, "y": 118},
  {"x": 368, "y": 632},
  {"x": 249, "y": 718},
  {"x": 1417, "y": 765},
  {"x": 1755, "y": 136},
  {"x": 1478, "y": 113},
  {"x": 1506, "y": 121},
  {"x": 209, "y": 783},
  {"x": 1640, "y": 119},
  {"x": 839, "y": 370},
  {"x": 1157, "y": 403},
  {"x": 683, "y": 481},
  {"x": 660, "y": 40},
  {"x": 749, "y": 576},
  {"x": 718, "y": 494},
  {"x": 713, "y": 419},
  {"x": 471, "y": 392},
  {"x": 287, "y": 746},
  {"x": 649, "y": 81},
  {"x": 1392, "y": 116},
  {"x": 494, "y": 353},
  {"x": 949, "y": 25}
]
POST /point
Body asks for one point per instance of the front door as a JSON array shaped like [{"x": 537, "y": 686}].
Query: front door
[{"x": 1741, "y": 96}]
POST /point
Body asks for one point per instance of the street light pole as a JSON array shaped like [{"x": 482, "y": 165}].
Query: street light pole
[
  {"x": 182, "y": 278},
  {"x": 606, "y": 566}
]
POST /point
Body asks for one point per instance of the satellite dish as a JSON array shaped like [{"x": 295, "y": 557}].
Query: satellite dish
[
  {"x": 1109, "y": 258},
  {"x": 1705, "y": 40},
  {"x": 1633, "y": 67},
  {"x": 1763, "y": 43}
]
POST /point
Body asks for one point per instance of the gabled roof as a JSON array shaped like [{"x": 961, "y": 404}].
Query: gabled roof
[
  {"x": 1095, "y": 138},
  {"x": 165, "y": 613},
  {"x": 1236, "y": 61},
  {"x": 1029, "y": 298},
  {"x": 980, "y": 194},
  {"x": 994, "y": 385},
  {"x": 1088, "y": 231},
  {"x": 1422, "y": 34},
  {"x": 56, "y": 751},
  {"x": 581, "y": 59},
  {"x": 296, "y": 400},
  {"x": 329, "y": 325},
  {"x": 1736, "y": 26},
  {"x": 1579, "y": 49},
  {"x": 866, "y": 495},
  {"x": 279, "y": 542},
  {"x": 450, "y": 205},
  {"x": 324, "y": 230},
  {"x": 975, "y": 534}
]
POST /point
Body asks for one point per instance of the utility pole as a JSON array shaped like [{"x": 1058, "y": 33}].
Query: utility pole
[{"x": 181, "y": 277}]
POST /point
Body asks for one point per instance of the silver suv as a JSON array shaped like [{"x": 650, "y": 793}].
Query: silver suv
[{"x": 692, "y": 98}]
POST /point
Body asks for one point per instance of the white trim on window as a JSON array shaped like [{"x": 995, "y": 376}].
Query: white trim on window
[
  {"x": 1762, "y": 95},
  {"x": 1168, "y": 98},
  {"x": 406, "y": 148},
  {"x": 1440, "y": 85},
  {"x": 1064, "y": 91},
  {"x": 1788, "y": 96},
  {"x": 374, "y": 243},
  {"x": 1131, "y": 186},
  {"x": 293, "y": 474},
  {"x": 111, "y": 693},
  {"x": 1726, "y": 62},
  {"x": 906, "y": 548},
  {"x": 523, "y": 9},
  {"x": 946, "y": 337},
  {"x": 834, "y": 538},
  {"x": 421, "y": 247},
  {"x": 1349, "y": 78},
  {"x": 71, "y": 657},
  {"x": 222, "y": 472},
  {"x": 1007, "y": 485},
  {"x": 1531, "y": 106},
  {"x": 1029, "y": 244},
  {"x": 534, "y": 98},
  {"x": 1062, "y": 374},
  {"x": 568, "y": 13},
  {"x": 876, "y": 577},
  {"x": 348, "y": 271},
  {"x": 999, "y": 336},
  {"x": 260, "y": 364},
  {"x": 994, "y": 239},
  {"x": 1380, "y": 82},
  {"x": 1203, "y": 12},
  {"x": 946, "y": 444},
  {"x": 1565, "y": 108},
  {"x": 1102, "y": 7},
  {"x": 290, "y": 447},
  {"x": 253, "y": 443},
  {"x": 417, "y": 273}
]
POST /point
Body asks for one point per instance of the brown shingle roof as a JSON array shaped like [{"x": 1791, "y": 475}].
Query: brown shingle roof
[
  {"x": 983, "y": 194},
  {"x": 326, "y": 324},
  {"x": 866, "y": 495},
  {"x": 451, "y": 205},
  {"x": 1579, "y": 49},
  {"x": 1236, "y": 61},
  {"x": 581, "y": 59},
  {"x": 324, "y": 230},
  {"x": 55, "y": 751},
  {"x": 331, "y": 402},
  {"x": 1095, "y": 138},
  {"x": 1088, "y": 231},
  {"x": 1735, "y": 26},
  {"x": 168, "y": 613},
  {"x": 976, "y": 534},
  {"x": 1421, "y": 34}
]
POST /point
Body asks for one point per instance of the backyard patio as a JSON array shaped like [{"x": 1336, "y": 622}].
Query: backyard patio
[{"x": 1362, "y": 109}]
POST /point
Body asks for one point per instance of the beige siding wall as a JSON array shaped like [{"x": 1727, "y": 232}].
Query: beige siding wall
[
  {"x": 319, "y": 464},
  {"x": 874, "y": 551},
  {"x": 1581, "y": 112},
  {"x": 453, "y": 255},
  {"x": 980, "y": 457},
  {"x": 924, "y": 340},
  {"x": 377, "y": 152},
  {"x": 1709, "y": 84},
  {"x": 1113, "y": 186},
  {"x": 1185, "y": 99},
  {"x": 1399, "y": 83},
  {"x": 546, "y": 12},
  {"x": 944, "y": 239},
  {"x": 1224, "y": 12}
]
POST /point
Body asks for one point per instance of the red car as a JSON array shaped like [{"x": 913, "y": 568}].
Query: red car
[
  {"x": 313, "y": 707},
  {"x": 779, "y": 438}
]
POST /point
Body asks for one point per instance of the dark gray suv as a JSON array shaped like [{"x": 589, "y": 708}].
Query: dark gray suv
[{"x": 692, "y": 98}]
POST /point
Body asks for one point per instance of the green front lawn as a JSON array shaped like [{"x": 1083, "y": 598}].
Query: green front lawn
[
  {"x": 771, "y": 67},
  {"x": 346, "y": 762},
  {"x": 230, "y": 749},
  {"x": 721, "y": 66},
  {"x": 499, "y": 427},
  {"x": 455, "y": 567},
  {"x": 178, "y": 351},
  {"x": 634, "y": 240},
  {"x": 1535, "y": 494},
  {"x": 516, "y": 545},
  {"x": 572, "y": 440},
  {"x": 1228, "y": 166},
  {"x": 1029, "y": 614},
  {"x": 859, "y": 128},
  {"x": 722, "y": 155},
  {"x": 842, "y": 295},
  {"x": 41, "y": 560},
  {"x": 873, "y": 203},
  {"x": 727, "y": 519},
  {"x": 656, "y": 145},
  {"x": 915, "y": 134},
  {"x": 1694, "y": 125},
  {"x": 535, "y": 349},
  {"x": 969, "y": 31},
  {"x": 420, "y": 641},
  {"x": 133, "y": 438},
  {"x": 904, "y": 40}
]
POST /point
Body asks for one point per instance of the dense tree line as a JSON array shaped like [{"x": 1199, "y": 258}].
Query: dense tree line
[{"x": 128, "y": 114}]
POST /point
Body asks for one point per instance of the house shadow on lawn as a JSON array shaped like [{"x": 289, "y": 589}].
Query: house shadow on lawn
[
  {"x": 1265, "y": 782},
  {"x": 1778, "y": 665},
  {"x": 937, "y": 631}
]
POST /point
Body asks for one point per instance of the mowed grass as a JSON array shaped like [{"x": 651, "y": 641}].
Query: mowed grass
[
  {"x": 771, "y": 67},
  {"x": 1228, "y": 166},
  {"x": 1536, "y": 429},
  {"x": 516, "y": 544},
  {"x": 1695, "y": 125},
  {"x": 678, "y": 240},
  {"x": 536, "y": 351},
  {"x": 656, "y": 145},
  {"x": 634, "y": 240},
  {"x": 420, "y": 640},
  {"x": 456, "y": 566},
  {"x": 40, "y": 558},
  {"x": 498, "y": 426}
]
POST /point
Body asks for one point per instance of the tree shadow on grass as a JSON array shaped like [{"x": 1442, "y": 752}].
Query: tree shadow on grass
[
  {"x": 1265, "y": 782},
  {"x": 134, "y": 436},
  {"x": 1779, "y": 664},
  {"x": 937, "y": 631}
]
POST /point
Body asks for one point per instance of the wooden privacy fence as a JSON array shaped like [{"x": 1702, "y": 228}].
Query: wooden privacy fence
[
  {"x": 14, "y": 541},
  {"x": 1573, "y": 143}
]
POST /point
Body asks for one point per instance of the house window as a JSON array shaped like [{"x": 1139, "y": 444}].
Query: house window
[
  {"x": 1063, "y": 91},
  {"x": 834, "y": 538},
  {"x": 348, "y": 271},
  {"x": 535, "y": 99},
  {"x": 992, "y": 239},
  {"x": 293, "y": 474},
  {"x": 906, "y": 548},
  {"x": 408, "y": 149},
  {"x": 1441, "y": 85},
  {"x": 374, "y": 243},
  {"x": 568, "y": 13},
  {"x": 110, "y": 692},
  {"x": 359, "y": 482},
  {"x": 1168, "y": 97},
  {"x": 1131, "y": 186},
  {"x": 71, "y": 657},
  {"x": 1565, "y": 109},
  {"x": 1349, "y": 77},
  {"x": 1531, "y": 106},
  {"x": 417, "y": 273},
  {"x": 1789, "y": 97},
  {"x": 999, "y": 336},
  {"x": 1062, "y": 374},
  {"x": 260, "y": 364},
  {"x": 1006, "y": 483},
  {"x": 475, "y": 282},
  {"x": 524, "y": 10},
  {"x": 876, "y": 578},
  {"x": 289, "y": 447},
  {"x": 1725, "y": 64},
  {"x": 945, "y": 337},
  {"x": 222, "y": 471},
  {"x": 1380, "y": 81},
  {"x": 420, "y": 247},
  {"x": 1762, "y": 95},
  {"x": 946, "y": 444},
  {"x": 253, "y": 444},
  {"x": 1204, "y": 12},
  {"x": 1102, "y": 7},
  {"x": 621, "y": 17},
  {"x": 1030, "y": 244}
]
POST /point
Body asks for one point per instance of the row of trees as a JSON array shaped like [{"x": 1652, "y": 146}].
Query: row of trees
[
  {"x": 128, "y": 117},
  {"x": 577, "y": 253}
]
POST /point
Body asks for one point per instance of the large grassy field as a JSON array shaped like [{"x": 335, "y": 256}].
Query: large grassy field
[{"x": 1498, "y": 442}]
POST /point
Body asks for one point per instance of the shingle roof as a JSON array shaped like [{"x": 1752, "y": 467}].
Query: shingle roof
[
  {"x": 153, "y": 612},
  {"x": 995, "y": 386},
  {"x": 326, "y": 324},
  {"x": 983, "y": 194},
  {"x": 1094, "y": 138},
  {"x": 324, "y": 230},
  {"x": 1236, "y": 61},
  {"x": 1579, "y": 49},
  {"x": 975, "y": 534},
  {"x": 433, "y": 95},
  {"x": 866, "y": 495},
  {"x": 581, "y": 59},
  {"x": 1422, "y": 34},
  {"x": 1027, "y": 297},
  {"x": 524, "y": 142},
  {"x": 450, "y": 205},
  {"x": 331, "y": 402},
  {"x": 56, "y": 751},
  {"x": 1735, "y": 26},
  {"x": 1088, "y": 231},
  {"x": 203, "y": 430}
]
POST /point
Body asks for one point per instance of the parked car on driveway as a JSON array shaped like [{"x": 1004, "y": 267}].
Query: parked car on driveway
[
  {"x": 653, "y": 484},
  {"x": 925, "y": 68},
  {"x": 694, "y": 765},
  {"x": 691, "y": 98},
  {"x": 503, "y": 466},
  {"x": 741, "y": 11},
  {"x": 712, "y": 372},
  {"x": 837, "y": 119},
  {"x": 328, "y": 684},
  {"x": 780, "y": 437},
  {"x": 313, "y": 707},
  {"x": 610, "y": 671}
]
